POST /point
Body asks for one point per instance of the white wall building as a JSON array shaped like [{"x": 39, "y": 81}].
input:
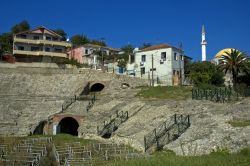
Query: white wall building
[{"x": 167, "y": 63}]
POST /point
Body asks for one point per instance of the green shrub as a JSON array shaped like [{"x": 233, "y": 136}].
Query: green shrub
[{"x": 205, "y": 73}]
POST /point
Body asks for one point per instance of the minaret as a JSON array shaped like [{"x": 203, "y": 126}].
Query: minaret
[{"x": 203, "y": 43}]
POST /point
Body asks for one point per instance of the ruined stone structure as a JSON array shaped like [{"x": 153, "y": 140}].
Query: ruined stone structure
[
  {"x": 31, "y": 102},
  {"x": 31, "y": 98}
]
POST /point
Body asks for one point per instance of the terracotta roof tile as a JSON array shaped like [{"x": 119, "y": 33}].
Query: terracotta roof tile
[{"x": 156, "y": 47}]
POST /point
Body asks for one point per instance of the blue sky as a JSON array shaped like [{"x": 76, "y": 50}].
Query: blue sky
[{"x": 121, "y": 22}]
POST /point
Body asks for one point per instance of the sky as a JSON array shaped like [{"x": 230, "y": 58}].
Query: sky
[{"x": 135, "y": 22}]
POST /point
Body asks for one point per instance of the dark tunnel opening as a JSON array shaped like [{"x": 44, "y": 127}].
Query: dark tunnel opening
[
  {"x": 39, "y": 130},
  {"x": 97, "y": 87},
  {"x": 69, "y": 125}
]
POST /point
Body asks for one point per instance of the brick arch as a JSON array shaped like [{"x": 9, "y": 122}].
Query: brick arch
[{"x": 58, "y": 118}]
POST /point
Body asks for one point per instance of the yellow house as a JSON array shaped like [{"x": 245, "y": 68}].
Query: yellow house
[{"x": 39, "y": 45}]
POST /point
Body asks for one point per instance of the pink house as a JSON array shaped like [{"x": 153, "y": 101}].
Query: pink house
[
  {"x": 77, "y": 54},
  {"x": 87, "y": 53}
]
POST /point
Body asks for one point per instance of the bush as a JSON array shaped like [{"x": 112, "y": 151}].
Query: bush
[
  {"x": 72, "y": 62},
  {"x": 205, "y": 73}
]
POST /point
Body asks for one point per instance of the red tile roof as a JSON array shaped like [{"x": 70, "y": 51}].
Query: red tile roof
[{"x": 156, "y": 47}]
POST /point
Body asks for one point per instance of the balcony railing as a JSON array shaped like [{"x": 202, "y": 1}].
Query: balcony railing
[
  {"x": 48, "y": 42},
  {"x": 39, "y": 53}
]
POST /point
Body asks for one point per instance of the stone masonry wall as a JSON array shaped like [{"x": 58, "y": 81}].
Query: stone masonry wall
[{"x": 30, "y": 95}]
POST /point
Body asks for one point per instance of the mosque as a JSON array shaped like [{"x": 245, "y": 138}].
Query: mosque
[
  {"x": 203, "y": 48},
  {"x": 215, "y": 60}
]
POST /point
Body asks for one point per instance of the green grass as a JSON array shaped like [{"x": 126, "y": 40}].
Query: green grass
[
  {"x": 170, "y": 159},
  {"x": 61, "y": 139},
  {"x": 161, "y": 158},
  {"x": 239, "y": 123},
  {"x": 166, "y": 92}
]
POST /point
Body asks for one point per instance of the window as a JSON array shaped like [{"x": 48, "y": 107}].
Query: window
[
  {"x": 55, "y": 38},
  {"x": 174, "y": 72},
  {"x": 34, "y": 49},
  {"x": 22, "y": 36},
  {"x": 48, "y": 38},
  {"x": 47, "y": 49},
  {"x": 143, "y": 59},
  {"x": 163, "y": 56},
  {"x": 58, "y": 50},
  {"x": 104, "y": 52},
  {"x": 36, "y": 37},
  {"x": 182, "y": 57},
  {"x": 175, "y": 56},
  {"x": 20, "y": 47},
  {"x": 178, "y": 73},
  {"x": 86, "y": 51},
  {"x": 142, "y": 70}
]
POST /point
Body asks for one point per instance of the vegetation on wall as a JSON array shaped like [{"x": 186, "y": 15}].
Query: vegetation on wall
[{"x": 73, "y": 62}]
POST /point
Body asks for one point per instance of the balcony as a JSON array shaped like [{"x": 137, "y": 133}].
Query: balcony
[
  {"x": 40, "y": 53},
  {"x": 48, "y": 42}
]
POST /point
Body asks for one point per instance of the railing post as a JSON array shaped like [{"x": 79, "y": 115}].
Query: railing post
[
  {"x": 155, "y": 133},
  {"x": 165, "y": 126},
  {"x": 156, "y": 139},
  {"x": 175, "y": 120}
]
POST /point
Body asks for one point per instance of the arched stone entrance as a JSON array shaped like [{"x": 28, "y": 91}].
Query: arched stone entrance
[
  {"x": 97, "y": 87},
  {"x": 68, "y": 125},
  {"x": 40, "y": 128}
]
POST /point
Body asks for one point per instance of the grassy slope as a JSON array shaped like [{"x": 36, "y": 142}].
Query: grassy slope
[
  {"x": 239, "y": 123},
  {"x": 164, "y": 158},
  {"x": 168, "y": 159},
  {"x": 166, "y": 92}
]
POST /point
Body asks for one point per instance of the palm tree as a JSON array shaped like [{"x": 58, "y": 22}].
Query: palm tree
[{"x": 235, "y": 62}]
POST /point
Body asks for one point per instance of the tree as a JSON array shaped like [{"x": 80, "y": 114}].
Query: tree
[
  {"x": 123, "y": 58},
  {"x": 6, "y": 42},
  {"x": 22, "y": 26},
  {"x": 78, "y": 40},
  {"x": 234, "y": 62},
  {"x": 62, "y": 33},
  {"x": 6, "y": 39},
  {"x": 205, "y": 73},
  {"x": 98, "y": 42}
]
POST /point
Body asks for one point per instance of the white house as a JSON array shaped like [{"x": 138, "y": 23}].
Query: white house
[{"x": 163, "y": 63}]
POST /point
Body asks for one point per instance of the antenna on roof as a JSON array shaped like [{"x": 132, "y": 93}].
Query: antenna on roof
[{"x": 180, "y": 45}]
